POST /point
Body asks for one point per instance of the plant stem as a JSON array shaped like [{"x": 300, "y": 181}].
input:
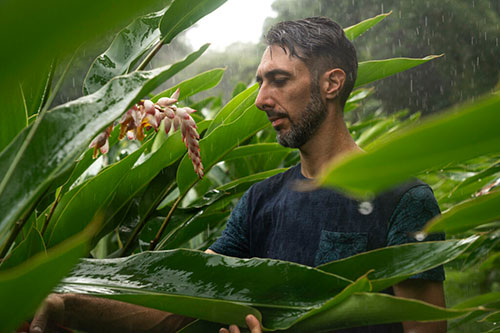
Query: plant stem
[
  {"x": 52, "y": 209},
  {"x": 150, "y": 56},
  {"x": 13, "y": 235},
  {"x": 155, "y": 241}
]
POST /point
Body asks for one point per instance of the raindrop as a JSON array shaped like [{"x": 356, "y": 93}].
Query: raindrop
[
  {"x": 426, "y": 21},
  {"x": 420, "y": 236},
  {"x": 365, "y": 208}
]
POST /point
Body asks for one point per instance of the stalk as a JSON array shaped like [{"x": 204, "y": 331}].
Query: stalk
[
  {"x": 140, "y": 226},
  {"x": 155, "y": 241},
  {"x": 150, "y": 56}
]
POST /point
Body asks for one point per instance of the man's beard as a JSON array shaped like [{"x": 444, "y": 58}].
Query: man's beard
[{"x": 303, "y": 129}]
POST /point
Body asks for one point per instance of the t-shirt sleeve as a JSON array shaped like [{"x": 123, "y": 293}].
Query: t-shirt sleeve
[
  {"x": 234, "y": 239},
  {"x": 416, "y": 207}
]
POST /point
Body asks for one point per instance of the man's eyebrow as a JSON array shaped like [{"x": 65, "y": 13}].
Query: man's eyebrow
[{"x": 273, "y": 73}]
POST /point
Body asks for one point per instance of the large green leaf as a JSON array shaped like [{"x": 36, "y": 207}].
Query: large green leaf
[
  {"x": 25, "y": 286},
  {"x": 64, "y": 133},
  {"x": 88, "y": 201},
  {"x": 433, "y": 143},
  {"x": 215, "y": 288},
  {"x": 395, "y": 263},
  {"x": 194, "y": 85},
  {"x": 37, "y": 28},
  {"x": 182, "y": 281},
  {"x": 239, "y": 125},
  {"x": 184, "y": 13},
  {"x": 128, "y": 46},
  {"x": 467, "y": 215},
  {"x": 356, "y": 30},
  {"x": 373, "y": 70},
  {"x": 363, "y": 309}
]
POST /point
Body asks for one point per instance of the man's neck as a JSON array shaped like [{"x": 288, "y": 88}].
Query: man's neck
[{"x": 330, "y": 141}]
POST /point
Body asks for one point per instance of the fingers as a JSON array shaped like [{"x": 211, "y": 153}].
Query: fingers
[
  {"x": 253, "y": 324},
  {"x": 51, "y": 309},
  {"x": 232, "y": 329}
]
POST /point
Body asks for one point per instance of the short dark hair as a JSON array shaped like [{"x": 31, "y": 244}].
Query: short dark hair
[{"x": 321, "y": 44}]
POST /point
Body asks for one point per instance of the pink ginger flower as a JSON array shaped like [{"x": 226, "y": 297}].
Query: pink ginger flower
[
  {"x": 101, "y": 142},
  {"x": 146, "y": 114}
]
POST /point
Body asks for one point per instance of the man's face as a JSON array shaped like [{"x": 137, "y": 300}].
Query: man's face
[{"x": 292, "y": 102}]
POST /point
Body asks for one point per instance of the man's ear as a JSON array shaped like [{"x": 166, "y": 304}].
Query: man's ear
[{"x": 333, "y": 82}]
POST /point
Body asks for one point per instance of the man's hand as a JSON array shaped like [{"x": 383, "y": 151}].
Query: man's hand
[
  {"x": 252, "y": 323},
  {"x": 51, "y": 310}
]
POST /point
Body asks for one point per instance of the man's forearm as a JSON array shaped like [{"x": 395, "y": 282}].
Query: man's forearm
[{"x": 95, "y": 314}]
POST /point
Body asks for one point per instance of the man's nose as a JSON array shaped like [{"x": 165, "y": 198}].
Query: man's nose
[{"x": 264, "y": 101}]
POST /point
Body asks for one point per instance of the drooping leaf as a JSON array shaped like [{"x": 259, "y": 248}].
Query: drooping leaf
[
  {"x": 302, "y": 322},
  {"x": 23, "y": 288},
  {"x": 405, "y": 260},
  {"x": 128, "y": 46},
  {"x": 363, "y": 309},
  {"x": 467, "y": 215},
  {"x": 225, "y": 289},
  {"x": 373, "y": 70},
  {"x": 433, "y": 143},
  {"x": 356, "y": 30},
  {"x": 64, "y": 134},
  {"x": 207, "y": 286},
  {"x": 184, "y": 13}
]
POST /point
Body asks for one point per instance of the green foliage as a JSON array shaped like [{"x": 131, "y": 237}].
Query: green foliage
[{"x": 145, "y": 195}]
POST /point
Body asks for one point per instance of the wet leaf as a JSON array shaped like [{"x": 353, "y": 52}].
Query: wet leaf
[
  {"x": 467, "y": 215},
  {"x": 179, "y": 281},
  {"x": 405, "y": 260},
  {"x": 129, "y": 45},
  {"x": 434, "y": 142},
  {"x": 64, "y": 133}
]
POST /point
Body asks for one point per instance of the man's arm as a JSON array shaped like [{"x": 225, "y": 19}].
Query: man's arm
[
  {"x": 95, "y": 314},
  {"x": 424, "y": 290}
]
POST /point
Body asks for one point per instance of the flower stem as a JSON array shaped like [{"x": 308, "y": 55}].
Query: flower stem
[
  {"x": 150, "y": 56},
  {"x": 128, "y": 246},
  {"x": 155, "y": 241}
]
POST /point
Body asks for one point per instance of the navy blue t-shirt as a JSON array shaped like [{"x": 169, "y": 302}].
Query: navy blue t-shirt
[{"x": 274, "y": 220}]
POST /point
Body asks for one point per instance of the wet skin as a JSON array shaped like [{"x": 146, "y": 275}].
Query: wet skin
[{"x": 284, "y": 91}]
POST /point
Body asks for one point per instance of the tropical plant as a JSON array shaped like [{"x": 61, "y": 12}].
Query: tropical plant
[{"x": 126, "y": 208}]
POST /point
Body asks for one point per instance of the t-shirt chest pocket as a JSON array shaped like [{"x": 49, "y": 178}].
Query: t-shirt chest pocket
[{"x": 335, "y": 245}]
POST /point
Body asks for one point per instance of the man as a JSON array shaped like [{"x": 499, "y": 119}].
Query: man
[{"x": 305, "y": 76}]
